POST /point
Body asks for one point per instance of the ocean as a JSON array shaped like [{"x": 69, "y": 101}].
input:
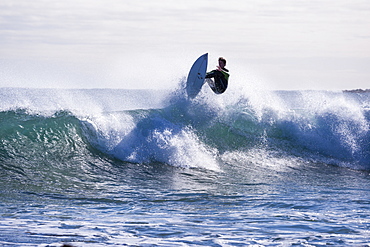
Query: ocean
[{"x": 114, "y": 167}]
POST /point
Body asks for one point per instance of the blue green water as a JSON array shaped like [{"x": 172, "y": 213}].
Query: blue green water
[{"x": 133, "y": 168}]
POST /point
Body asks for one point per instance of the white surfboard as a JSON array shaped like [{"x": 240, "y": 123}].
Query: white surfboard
[{"x": 196, "y": 76}]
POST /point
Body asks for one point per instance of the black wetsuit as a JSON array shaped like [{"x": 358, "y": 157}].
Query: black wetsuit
[{"x": 221, "y": 78}]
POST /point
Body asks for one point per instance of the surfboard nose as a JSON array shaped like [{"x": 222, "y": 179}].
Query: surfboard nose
[{"x": 196, "y": 76}]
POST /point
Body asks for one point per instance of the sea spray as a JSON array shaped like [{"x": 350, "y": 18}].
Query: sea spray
[{"x": 135, "y": 126}]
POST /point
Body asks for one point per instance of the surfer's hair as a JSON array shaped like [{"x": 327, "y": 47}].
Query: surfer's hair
[{"x": 222, "y": 59}]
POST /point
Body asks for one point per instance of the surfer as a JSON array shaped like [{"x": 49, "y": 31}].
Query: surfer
[{"x": 220, "y": 75}]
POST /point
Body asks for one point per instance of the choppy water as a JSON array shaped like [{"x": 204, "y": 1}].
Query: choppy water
[{"x": 141, "y": 168}]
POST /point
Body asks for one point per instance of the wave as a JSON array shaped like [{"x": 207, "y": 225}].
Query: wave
[{"x": 309, "y": 126}]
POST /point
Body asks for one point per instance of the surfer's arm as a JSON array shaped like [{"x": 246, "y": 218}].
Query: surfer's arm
[{"x": 211, "y": 74}]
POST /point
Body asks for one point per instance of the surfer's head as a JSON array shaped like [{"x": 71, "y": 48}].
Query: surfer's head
[{"x": 222, "y": 62}]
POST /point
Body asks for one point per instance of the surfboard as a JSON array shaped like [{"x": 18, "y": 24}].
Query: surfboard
[{"x": 196, "y": 76}]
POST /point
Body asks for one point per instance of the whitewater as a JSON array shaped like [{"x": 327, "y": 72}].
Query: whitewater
[{"x": 115, "y": 167}]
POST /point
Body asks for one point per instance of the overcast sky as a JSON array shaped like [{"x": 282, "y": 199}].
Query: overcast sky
[{"x": 288, "y": 44}]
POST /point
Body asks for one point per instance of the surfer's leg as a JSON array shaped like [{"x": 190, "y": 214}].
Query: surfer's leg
[
  {"x": 210, "y": 82},
  {"x": 220, "y": 83}
]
